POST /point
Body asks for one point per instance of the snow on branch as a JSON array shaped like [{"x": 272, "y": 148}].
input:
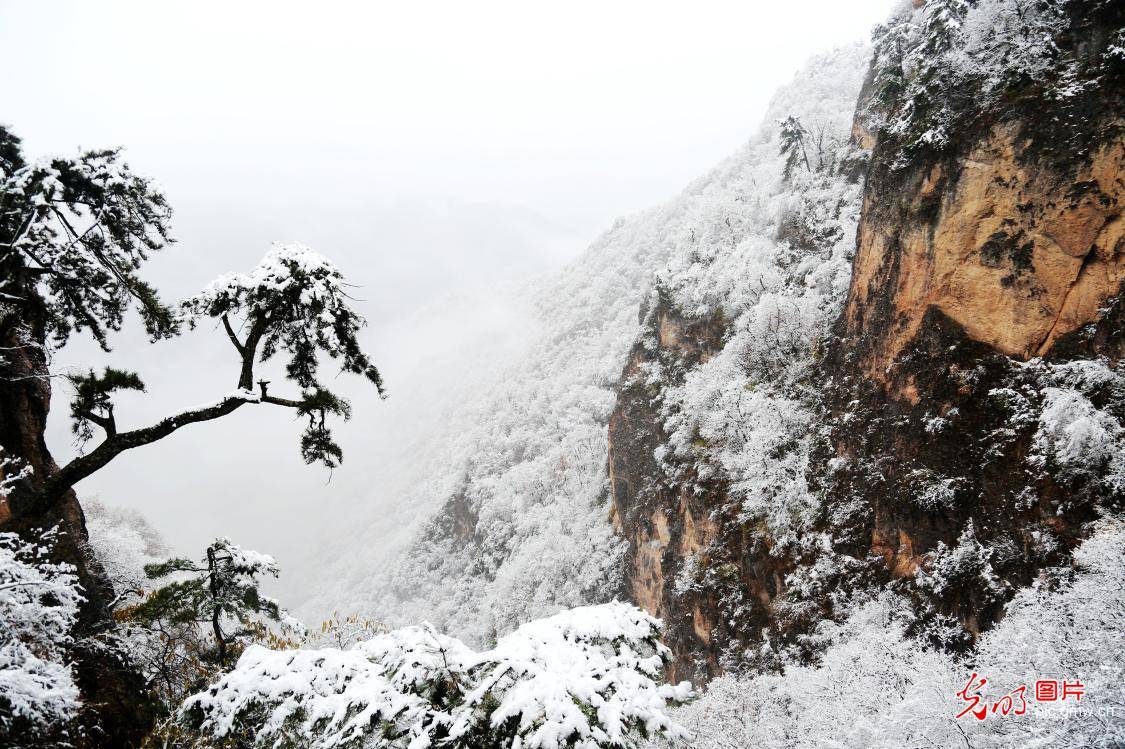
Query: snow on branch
[
  {"x": 76, "y": 233},
  {"x": 12, "y": 471},
  {"x": 585, "y": 678},
  {"x": 294, "y": 301}
]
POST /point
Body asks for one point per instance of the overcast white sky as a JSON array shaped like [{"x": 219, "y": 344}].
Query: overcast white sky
[{"x": 426, "y": 147}]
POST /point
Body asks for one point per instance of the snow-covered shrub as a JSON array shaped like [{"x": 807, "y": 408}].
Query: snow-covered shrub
[
  {"x": 1079, "y": 440},
  {"x": 1077, "y": 409},
  {"x": 342, "y": 631},
  {"x": 38, "y": 606},
  {"x": 961, "y": 572},
  {"x": 935, "y": 492},
  {"x": 968, "y": 564},
  {"x": 940, "y": 63},
  {"x": 583, "y": 678},
  {"x": 1070, "y": 624},
  {"x": 12, "y": 471}
]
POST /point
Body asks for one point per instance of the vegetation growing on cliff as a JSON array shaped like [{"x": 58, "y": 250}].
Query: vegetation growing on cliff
[
  {"x": 874, "y": 686},
  {"x": 944, "y": 67},
  {"x": 697, "y": 423}
]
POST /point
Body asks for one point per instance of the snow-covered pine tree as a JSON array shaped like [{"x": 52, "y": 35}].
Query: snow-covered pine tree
[
  {"x": 74, "y": 234},
  {"x": 793, "y": 147},
  {"x": 294, "y": 303},
  {"x": 220, "y": 595}
]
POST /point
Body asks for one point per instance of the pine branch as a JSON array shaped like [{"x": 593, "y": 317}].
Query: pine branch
[{"x": 117, "y": 443}]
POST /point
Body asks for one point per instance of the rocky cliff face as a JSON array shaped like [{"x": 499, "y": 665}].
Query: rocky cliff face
[
  {"x": 987, "y": 276},
  {"x": 714, "y": 425},
  {"x": 963, "y": 410},
  {"x": 666, "y": 522}
]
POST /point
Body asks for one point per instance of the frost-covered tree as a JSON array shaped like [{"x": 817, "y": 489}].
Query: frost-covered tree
[
  {"x": 293, "y": 303},
  {"x": 124, "y": 541},
  {"x": 74, "y": 233},
  {"x": 793, "y": 135},
  {"x": 966, "y": 571},
  {"x": 939, "y": 65},
  {"x": 38, "y": 605},
  {"x": 220, "y": 594},
  {"x": 174, "y": 658},
  {"x": 928, "y": 82},
  {"x": 875, "y": 686},
  {"x": 586, "y": 678}
]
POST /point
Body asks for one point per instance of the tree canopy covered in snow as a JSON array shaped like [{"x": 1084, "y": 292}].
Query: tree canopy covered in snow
[
  {"x": 941, "y": 63},
  {"x": 295, "y": 301},
  {"x": 73, "y": 234},
  {"x": 585, "y": 678},
  {"x": 220, "y": 593}
]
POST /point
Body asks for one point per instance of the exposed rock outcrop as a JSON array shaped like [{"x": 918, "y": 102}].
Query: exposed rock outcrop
[
  {"x": 986, "y": 285},
  {"x": 666, "y": 522},
  {"x": 1004, "y": 246},
  {"x": 1019, "y": 250}
]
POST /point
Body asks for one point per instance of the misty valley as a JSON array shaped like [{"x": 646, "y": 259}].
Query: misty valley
[{"x": 827, "y": 450}]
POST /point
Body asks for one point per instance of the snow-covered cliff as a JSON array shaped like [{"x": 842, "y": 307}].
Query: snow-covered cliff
[{"x": 516, "y": 502}]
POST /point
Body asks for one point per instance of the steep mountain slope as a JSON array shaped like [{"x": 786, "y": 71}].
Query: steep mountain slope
[
  {"x": 711, "y": 438},
  {"x": 522, "y": 530},
  {"x": 873, "y": 356},
  {"x": 772, "y": 464},
  {"x": 977, "y": 393},
  {"x": 874, "y": 687}
]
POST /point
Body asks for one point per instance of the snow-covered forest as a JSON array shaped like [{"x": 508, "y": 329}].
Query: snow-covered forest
[
  {"x": 525, "y": 451},
  {"x": 826, "y": 450}
]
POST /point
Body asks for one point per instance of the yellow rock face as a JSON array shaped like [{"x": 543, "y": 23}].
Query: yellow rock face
[
  {"x": 1013, "y": 252},
  {"x": 648, "y": 565}
]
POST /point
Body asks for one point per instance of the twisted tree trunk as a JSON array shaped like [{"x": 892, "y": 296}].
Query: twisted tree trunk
[{"x": 117, "y": 711}]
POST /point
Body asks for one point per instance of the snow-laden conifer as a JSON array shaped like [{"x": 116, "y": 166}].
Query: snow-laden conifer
[{"x": 586, "y": 678}]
